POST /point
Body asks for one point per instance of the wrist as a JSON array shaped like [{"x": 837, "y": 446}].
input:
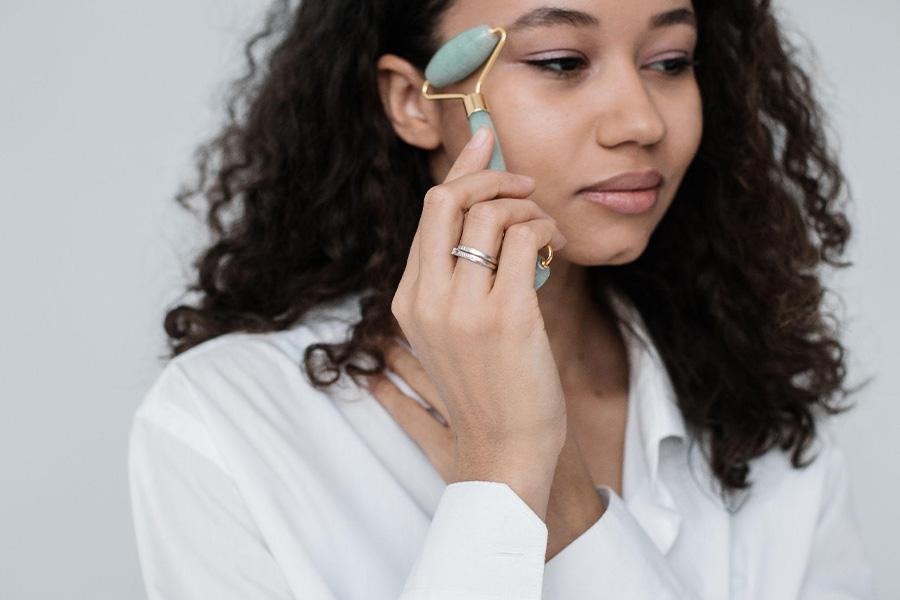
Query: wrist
[{"x": 528, "y": 472}]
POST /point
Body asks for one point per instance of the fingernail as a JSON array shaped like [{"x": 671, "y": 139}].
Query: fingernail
[
  {"x": 479, "y": 138},
  {"x": 526, "y": 178}
]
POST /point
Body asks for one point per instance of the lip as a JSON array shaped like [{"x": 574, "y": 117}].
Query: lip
[
  {"x": 630, "y": 202},
  {"x": 626, "y": 182},
  {"x": 628, "y": 193}
]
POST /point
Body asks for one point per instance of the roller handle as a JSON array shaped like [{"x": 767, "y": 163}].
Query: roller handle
[{"x": 476, "y": 120}]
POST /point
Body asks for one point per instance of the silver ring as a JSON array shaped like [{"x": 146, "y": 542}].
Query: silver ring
[
  {"x": 473, "y": 258},
  {"x": 478, "y": 252}
]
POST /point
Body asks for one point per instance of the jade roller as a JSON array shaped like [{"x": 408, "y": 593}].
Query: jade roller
[{"x": 453, "y": 62}]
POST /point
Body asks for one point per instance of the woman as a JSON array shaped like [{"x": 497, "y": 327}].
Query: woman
[{"x": 353, "y": 412}]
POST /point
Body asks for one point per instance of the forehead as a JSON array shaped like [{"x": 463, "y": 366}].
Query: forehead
[{"x": 518, "y": 16}]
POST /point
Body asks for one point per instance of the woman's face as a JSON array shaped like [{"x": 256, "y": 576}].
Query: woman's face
[{"x": 612, "y": 102}]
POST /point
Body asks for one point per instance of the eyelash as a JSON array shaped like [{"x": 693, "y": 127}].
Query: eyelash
[{"x": 681, "y": 64}]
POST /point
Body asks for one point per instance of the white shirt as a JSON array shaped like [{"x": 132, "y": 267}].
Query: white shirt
[{"x": 247, "y": 482}]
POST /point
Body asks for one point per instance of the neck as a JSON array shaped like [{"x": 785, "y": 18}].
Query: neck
[{"x": 584, "y": 338}]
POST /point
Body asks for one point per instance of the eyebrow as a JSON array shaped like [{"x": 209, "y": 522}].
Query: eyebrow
[{"x": 548, "y": 16}]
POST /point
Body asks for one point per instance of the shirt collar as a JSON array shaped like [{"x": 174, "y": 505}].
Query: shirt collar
[{"x": 651, "y": 395}]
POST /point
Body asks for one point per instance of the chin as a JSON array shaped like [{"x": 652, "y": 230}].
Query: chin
[{"x": 589, "y": 253}]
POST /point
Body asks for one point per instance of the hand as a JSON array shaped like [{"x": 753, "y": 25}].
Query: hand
[
  {"x": 573, "y": 504},
  {"x": 479, "y": 333}
]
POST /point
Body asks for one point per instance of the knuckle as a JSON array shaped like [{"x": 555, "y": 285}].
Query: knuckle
[
  {"x": 438, "y": 194},
  {"x": 522, "y": 233},
  {"x": 535, "y": 209},
  {"x": 485, "y": 213},
  {"x": 498, "y": 183}
]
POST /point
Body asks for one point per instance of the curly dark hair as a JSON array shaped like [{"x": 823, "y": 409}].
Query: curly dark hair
[{"x": 310, "y": 195}]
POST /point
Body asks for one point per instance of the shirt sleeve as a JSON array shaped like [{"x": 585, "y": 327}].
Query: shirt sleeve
[
  {"x": 484, "y": 543},
  {"x": 196, "y": 539},
  {"x": 838, "y": 567}
]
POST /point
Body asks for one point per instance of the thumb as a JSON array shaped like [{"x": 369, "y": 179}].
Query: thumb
[{"x": 475, "y": 155}]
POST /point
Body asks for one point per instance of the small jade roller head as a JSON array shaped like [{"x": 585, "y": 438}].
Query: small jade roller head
[
  {"x": 456, "y": 60},
  {"x": 461, "y": 55}
]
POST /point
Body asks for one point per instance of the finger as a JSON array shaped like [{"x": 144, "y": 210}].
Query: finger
[
  {"x": 472, "y": 158},
  {"x": 475, "y": 155},
  {"x": 483, "y": 229},
  {"x": 407, "y": 366},
  {"x": 441, "y": 213},
  {"x": 518, "y": 257},
  {"x": 435, "y": 440},
  {"x": 441, "y": 224}
]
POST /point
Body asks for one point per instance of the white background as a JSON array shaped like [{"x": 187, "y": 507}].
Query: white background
[{"x": 101, "y": 105}]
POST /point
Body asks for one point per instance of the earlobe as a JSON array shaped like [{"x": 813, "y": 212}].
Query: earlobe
[{"x": 414, "y": 118}]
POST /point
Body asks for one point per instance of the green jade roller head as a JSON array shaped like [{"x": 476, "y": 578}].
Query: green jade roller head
[{"x": 453, "y": 62}]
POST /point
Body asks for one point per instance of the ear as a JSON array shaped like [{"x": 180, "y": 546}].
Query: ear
[{"x": 415, "y": 118}]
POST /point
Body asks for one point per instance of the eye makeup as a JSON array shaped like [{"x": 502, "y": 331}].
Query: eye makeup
[{"x": 566, "y": 67}]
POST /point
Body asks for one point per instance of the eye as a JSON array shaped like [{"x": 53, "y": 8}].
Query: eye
[
  {"x": 678, "y": 65},
  {"x": 568, "y": 65}
]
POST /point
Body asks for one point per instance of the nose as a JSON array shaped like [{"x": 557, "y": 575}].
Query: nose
[{"x": 629, "y": 113}]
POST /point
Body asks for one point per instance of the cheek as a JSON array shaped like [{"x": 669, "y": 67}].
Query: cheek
[
  {"x": 684, "y": 125},
  {"x": 454, "y": 126},
  {"x": 532, "y": 132}
]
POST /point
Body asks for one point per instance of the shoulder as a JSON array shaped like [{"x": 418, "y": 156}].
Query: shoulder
[
  {"x": 242, "y": 378},
  {"x": 795, "y": 495},
  {"x": 824, "y": 455},
  {"x": 804, "y": 521}
]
